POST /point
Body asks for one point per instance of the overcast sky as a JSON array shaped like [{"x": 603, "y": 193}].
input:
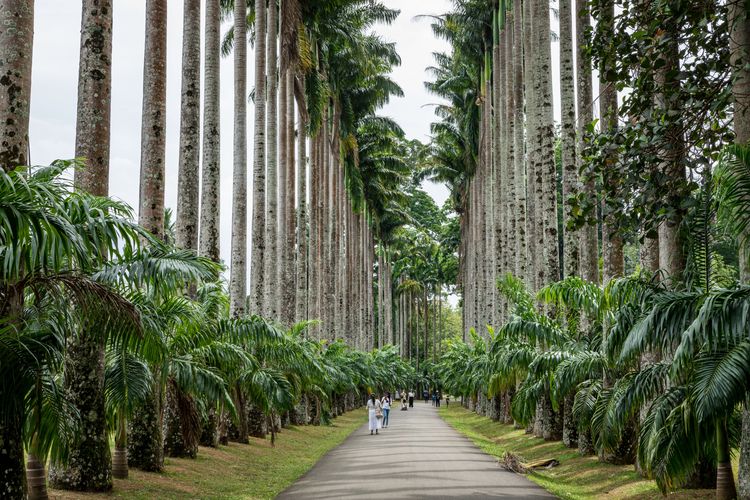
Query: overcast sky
[{"x": 54, "y": 87}]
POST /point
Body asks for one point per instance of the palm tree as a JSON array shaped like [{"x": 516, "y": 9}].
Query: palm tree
[
  {"x": 55, "y": 239},
  {"x": 571, "y": 183},
  {"x": 188, "y": 177},
  {"x": 238, "y": 268},
  {"x": 740, "y": 47},
  {"x": 210, "y": 184},
  {"x": 16, "y": 42},
  {"x": 275, "y": 172},
  {"x": 258, "y": 300},
  {"x": 89, "y": 465},
  {"x": 154, "y": 120},
  {"x": 589, "y": 246}
]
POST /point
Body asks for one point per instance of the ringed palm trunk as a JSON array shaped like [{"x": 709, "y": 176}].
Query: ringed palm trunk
[
  {"x": 16, "y": 41},
  {"x": 178, "y": 439},
  {"x": 589, "y": 249},
  {"x": 209, "y": 244},
  {"x": 16, "y": 44},
  {"x": 288, "y": 286},
  {"x": 571, "y": 186},
  {"x": 258, "y": 299},
  {"x": 186, "y": 224},
  {"x": 612, "y": 242},
  {"x": 739, "y": 22},
  {"x": 238, "y": 269},
  {"x": 302, "y": 266},
  {"x": 89, "y": 467},
  {"x": 275, "y": 172},
  {"x": 521, "y": 234}
]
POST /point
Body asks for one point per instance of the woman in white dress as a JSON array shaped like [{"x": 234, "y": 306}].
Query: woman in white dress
[{"x": 374, "y": 408}]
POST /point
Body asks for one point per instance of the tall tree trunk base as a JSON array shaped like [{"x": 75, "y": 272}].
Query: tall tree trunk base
[
  {"x": 725, "y": 489},
  {"x": 743, "y": 473},
  {"x": 12, "y": 470},
  {"x": 570, "y": 426},
  {"x": 256, "y": 422},
  {"x": 89, "y": 466},
  {"x": 210, "y": 428},
  {"x": 120, "y": 463},
  {"x": 145, "y": 442},
  {"x": 181, "y": 424},
  {"x": 36, "y": 476}
]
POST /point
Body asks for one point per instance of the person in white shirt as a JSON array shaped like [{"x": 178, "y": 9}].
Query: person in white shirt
[
  {"x": 386, "y": 403},
  {"x": 374, "y": 410}
]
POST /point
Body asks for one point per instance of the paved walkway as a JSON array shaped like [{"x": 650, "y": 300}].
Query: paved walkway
[{"x": 418, "y": 456}]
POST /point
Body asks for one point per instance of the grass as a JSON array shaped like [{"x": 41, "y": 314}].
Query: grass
[
  {"x": 577, "y": 477},
  {"x": 236, "y": 471}
]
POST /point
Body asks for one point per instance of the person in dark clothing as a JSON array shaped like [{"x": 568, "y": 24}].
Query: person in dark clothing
[
  {"x": 437, "y": 399},
  {"x": 426, "y": 395},
  {"x": 411, "y": 399}
]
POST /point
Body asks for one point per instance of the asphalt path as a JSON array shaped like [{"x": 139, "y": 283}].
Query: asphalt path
[{"x": 417, "y": 456}]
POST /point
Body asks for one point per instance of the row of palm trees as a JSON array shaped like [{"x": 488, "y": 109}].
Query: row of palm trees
[
  {"x": 152, "y": 351},
  {"x": 623, "y": 184}
]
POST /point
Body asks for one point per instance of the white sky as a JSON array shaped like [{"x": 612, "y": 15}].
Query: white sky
[{"x": 54, "y": 87}]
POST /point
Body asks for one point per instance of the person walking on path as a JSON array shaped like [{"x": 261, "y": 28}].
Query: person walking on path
[
  {"x": 375, "y": 413},
  {"x": 411, "y": 399},
  {"x": 447, "y": 400},
  {"x": 426, "y": 395},
  {"x": 437, "y": 399},
  {"x": 386, "y": 403},
  {"x": 434, "y": 395}
]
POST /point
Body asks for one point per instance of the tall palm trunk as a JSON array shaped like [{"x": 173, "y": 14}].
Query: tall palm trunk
[
  {"x": 16, "y": 44},
  {"x": 258, "y": 299},
  {"x": 275, "y": 170},
  {"x": 238, "y": 268},
  {"x": 739, "y": 22},
  {"x": 671, "y": 251},
  {"x": 612, "y": 242},
  {"x": 589, "y": 246},
  {"x": 186, "y": 227},
  {"x": 533, "y": 219},
  {"x": 498, "y": 181},
  {"x": 209, "y": 244},
  {"x": 315, "y": 196},
  {"x": 302, "y": 257},
  {"x": 521, "y": 231},
  {"x": 16, "y": 41},
  {"x": 288, "y": 296},
  {"x": 571, "y": 259},
  {"x": 89, "y": 467},
  {"x": 186, "y": 231}
]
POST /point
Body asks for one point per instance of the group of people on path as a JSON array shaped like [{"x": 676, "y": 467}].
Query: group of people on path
[{"x": 378, "y": 411}]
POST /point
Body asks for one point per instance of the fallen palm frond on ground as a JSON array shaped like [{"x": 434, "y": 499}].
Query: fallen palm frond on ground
[{"x": 516, "y": 463}]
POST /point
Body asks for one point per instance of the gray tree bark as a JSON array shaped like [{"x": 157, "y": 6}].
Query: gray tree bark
[
  {"x": 186, "y": 224},
  {"x": 740, "y": 56},
  {"x": 209, "y": 243},
  {"x": 238, "y": 267},
  {"x": 288, "y": 298},
  {"x": 258, "y": 299},
  {"x": 589, "y": 249},
  {"x": 89, "y": 466},
  {"x": 276, "y": 159},
  {"x": 16, "y": 48},
  {"x": 571, "y": 183}
]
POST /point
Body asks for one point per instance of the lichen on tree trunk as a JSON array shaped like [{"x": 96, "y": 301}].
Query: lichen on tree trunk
[
  {"x": 145, "y": 443},
  {"x": 89, "y": 466}
]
